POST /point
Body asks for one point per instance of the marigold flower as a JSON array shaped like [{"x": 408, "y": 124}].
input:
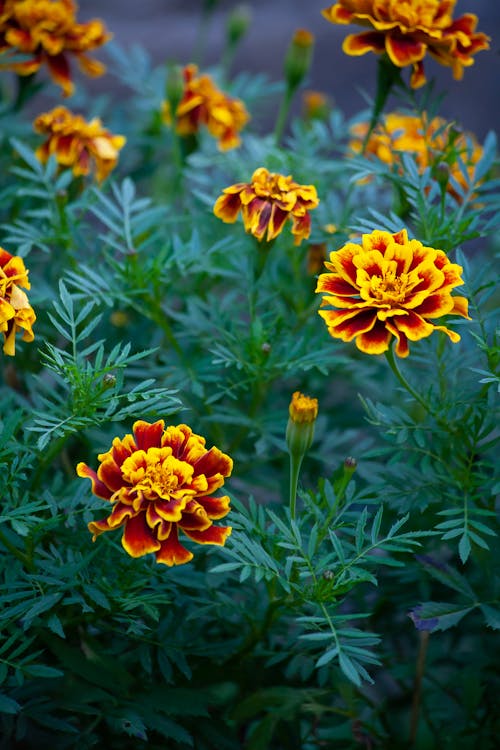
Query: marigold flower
[
  {"x": 389, "y": 286},
  {"x": 47, "y": 32},
  {"x": 406, "y": 31},
  {"x": 202, "y": 103},
  {"x": 433, "y": 143},
  {"x": 16, "y": 313},
  {"x": 158, "y": 481},
  {"x": 316, "y": 105},
  {"x": 77, "y": 143},
  {"x": 266, "y": 203}
]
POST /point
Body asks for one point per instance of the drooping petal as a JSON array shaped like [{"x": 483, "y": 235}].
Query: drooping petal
[
  {"x": 212, "y": 535},
  {"x": 367, "y": 41},
  {"x": 172, "y": 552},
  {"x": 138, "y": 538},
  {"x": 98, "y": 488}
]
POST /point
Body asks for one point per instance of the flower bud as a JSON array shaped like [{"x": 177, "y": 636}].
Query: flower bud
[
  {"x": 109, "y": 380},
  {"x": 237, "y": 24},
  {"x": 298, "y": 57},
  {"x": 300, "y": 428},
  {"x": 316, "y": 105}
]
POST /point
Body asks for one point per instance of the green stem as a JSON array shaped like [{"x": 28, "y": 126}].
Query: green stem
[
  {"x": 397, "y": 372},
  {"x": 21, "y": 556},
  {"x": 295, "y": 464},
  {"x": 283, "y": 115},
  {"x": 387, "y": 76}
]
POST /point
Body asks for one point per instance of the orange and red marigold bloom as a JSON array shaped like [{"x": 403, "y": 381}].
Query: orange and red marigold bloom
[
  {"x": 46, "y": 31},
  {"x": 389, "y": 286},
  {"x": 406, "y": 31},
  {"x": 203, "y": 104},
  {"x": 432, "y": 142},
  {"x": 77, "y": 143},
  {"x": 266, "y": 203},
  {"x": 16, "y": 313},
  {"x": 159, "y": 481}
]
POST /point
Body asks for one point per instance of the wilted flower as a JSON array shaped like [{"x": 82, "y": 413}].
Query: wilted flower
[
  {"x": 266, "y": 203},
  {"x": 159, "y": 481},
  {"x": 46, "y": 31},
  {"x": 406, "y": 31},
  {"x": 77, "y": 143},
  {"x": 16, "y": 313},
  {"x": 203, "y": 104},
  {"x": 434, "y": 143},
  {"x": 389, "y": 286}
]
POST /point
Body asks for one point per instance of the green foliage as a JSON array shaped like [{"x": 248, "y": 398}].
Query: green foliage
[{"x": 369, "y": 617}]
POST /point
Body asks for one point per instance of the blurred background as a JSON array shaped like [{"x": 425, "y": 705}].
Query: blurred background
[{"x": 169, "y": 31}]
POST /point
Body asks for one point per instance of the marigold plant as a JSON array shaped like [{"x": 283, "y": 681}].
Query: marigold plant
[
  {"x": 432, "y": 142},
  {"x": 78, "y": 144},
  {"x": 389, "y": 286},
  {"x": 266, "y": 203},
  {"x": 406, "y": 31},
  {"x": 203, "y": 104},
  {"x": 16, "y": 313},
  {"x": 47, "y": 32},
  {"x": 159, "y": 481}
]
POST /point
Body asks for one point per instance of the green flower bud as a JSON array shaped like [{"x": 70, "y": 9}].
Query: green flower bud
[
  {"x": 298, "y": 57},
  {"x": 237, "y": 24}
]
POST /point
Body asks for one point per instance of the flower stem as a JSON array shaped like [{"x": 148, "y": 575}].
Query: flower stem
[
  {"x": 397, "y": 372},
  {"x": 387, "y": 76},
  {"x": 282, "y": 115},
  {"x": 295, "y": 464}
]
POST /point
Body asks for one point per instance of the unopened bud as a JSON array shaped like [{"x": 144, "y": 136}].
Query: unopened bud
[
  {"x": 328, "y": 575},
  {"x": 238, "y": 23},
  {"x": 298, "y": 57},
  {"x": 300, "y": 428},
  {"x": 266, "y": 347},
  {"x": 441, "y": 173},
  {"x": 109, "y": 380},
  {"x": 316, "y": 106},
  {"x": 350, "y": 465}
]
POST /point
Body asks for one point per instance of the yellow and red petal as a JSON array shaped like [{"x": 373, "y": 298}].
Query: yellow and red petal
[
  {"x": 453, "y": 335},
  {"x": 336, "y": 286},
  {"x": 366, "y": 41},
  {"x": 348, "y": 326},
  {"x": 98, "y": 488},
  {"x": 148, "y": 435},
  {"x": 413, "y": 326},
  {"x": 172, "y": 552},
  {"x": 301, "y": 228},
  {"x": 404, "y": 50},
  {"x": 374, "y": 341},
  {"x": 435, "y": 305},
  {"x": 227, "y": 208},
  {"x": 138, "y": 539},
  {"x": 59, "y": 70},
  {"x": 215, "y": 507},
  {"x": 110, "y": 474},
  {"x": 417, "y": 80},
  {"x": 213, "y": 463},
  {"x": 338, "y": 14},
  {"x": 460, "y": 307},
  {"x": 195, "y": 517},
  {"x": 212, "y": 535},
  {"x": 98, "y": 527}
]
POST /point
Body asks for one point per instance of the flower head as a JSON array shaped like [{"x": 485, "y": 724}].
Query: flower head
[
  {"x": 407, "y": 30},
  {"x": 203, "y": 104},
  {"x": 159, "y": 481},
  {"x": 16, "y": 313},
  {"x": 77, "y": 143},
  {"x": 389, "y": 286},
  {"x": 433, "y": 143},
  {"x": 303, "y": 409},
  {"x": 46, "y": 31},
  {"x": 266, "y": 203}
]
